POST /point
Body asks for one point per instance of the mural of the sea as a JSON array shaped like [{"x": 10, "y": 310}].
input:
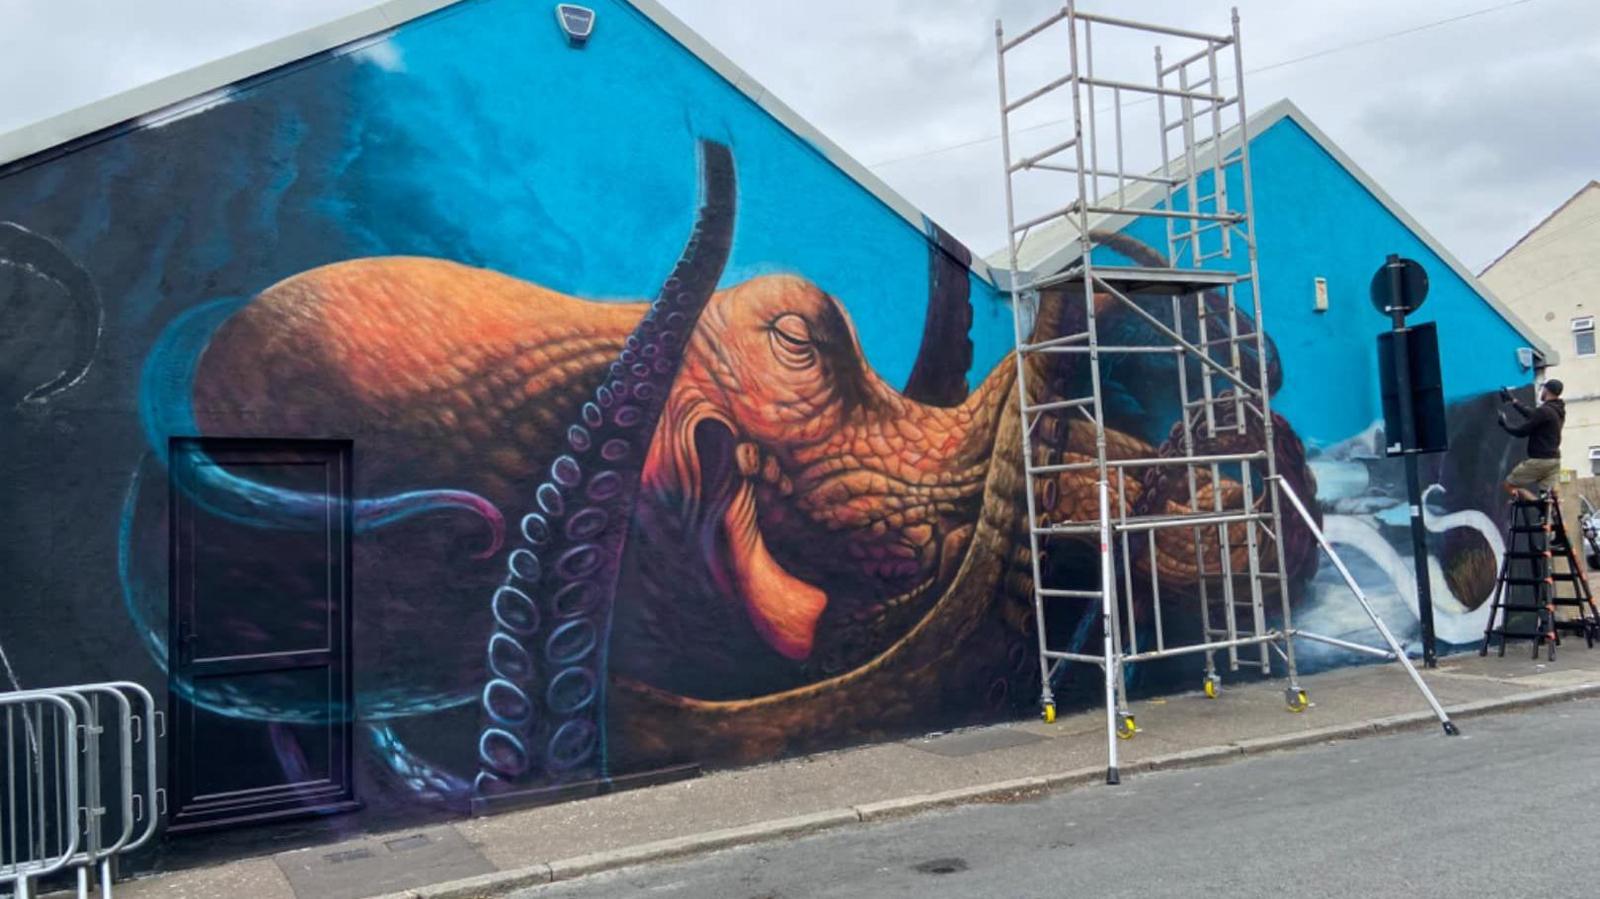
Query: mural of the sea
[{"x": 669, "y": 443}]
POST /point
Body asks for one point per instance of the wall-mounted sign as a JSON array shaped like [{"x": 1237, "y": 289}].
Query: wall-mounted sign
[
  {"x": 577, "y": 22},
  {"x": 1403, "y": 294}
]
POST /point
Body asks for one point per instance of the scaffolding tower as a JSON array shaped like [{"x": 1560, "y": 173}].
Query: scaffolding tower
[{"x": 1221, "y": 452}]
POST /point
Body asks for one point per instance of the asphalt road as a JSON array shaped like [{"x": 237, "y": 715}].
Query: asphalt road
[{"x": 1508, "y": 809}]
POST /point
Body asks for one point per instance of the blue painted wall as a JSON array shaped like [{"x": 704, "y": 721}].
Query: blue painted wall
[
  {"x": 520, "y": 141},
  {"x": 477, "y": 136},
  {"x": 1316, "y": 220}
]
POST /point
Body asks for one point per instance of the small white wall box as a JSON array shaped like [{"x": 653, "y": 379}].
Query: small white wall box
[
  {"x": 1322, "y": 295},
  {"x": 577, "y": 22},
  {"x": 1525, "y": 356}
]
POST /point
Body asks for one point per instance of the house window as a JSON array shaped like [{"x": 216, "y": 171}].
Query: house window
[{"x": 1583, "y": 335}]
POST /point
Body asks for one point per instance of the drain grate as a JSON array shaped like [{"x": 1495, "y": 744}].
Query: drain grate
[
  {"x": 415, "y": 841},
  {"x": 380, "y": 866},
  {"x": 348, "y": 855},
  {"x": 942, "y": 866}
]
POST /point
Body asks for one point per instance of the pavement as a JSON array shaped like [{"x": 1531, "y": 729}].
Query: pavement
[
  {"x": 497, "y": 855},
  {"x": 1501, "y": 811}
]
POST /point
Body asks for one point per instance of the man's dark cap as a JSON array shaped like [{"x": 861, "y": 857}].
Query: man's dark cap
[{"x": 1553, "y": 386}]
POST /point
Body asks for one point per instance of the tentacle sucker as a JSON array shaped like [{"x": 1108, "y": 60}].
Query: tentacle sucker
[{"x": 544, "y": 700}]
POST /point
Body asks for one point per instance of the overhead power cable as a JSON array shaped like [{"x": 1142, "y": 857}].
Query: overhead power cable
[{"x": 1318, "y": 54}]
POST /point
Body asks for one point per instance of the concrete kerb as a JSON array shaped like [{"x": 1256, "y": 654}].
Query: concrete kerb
[
  {"x": 1189, "y": 758},
  {"x": 498, "y": 883},
  {"x": 1078, "y": 777},
  {"x": 1001, "y": 791},
  {"x": 1524, "y": 700},
  {"x": 1353, "y": 731},
  {"x": 710, "y": 841},
  {"x": 484, "y": 886}
]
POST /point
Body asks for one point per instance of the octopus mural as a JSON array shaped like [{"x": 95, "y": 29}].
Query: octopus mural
[
  {"x": 664, "y": 441},
  {"x": 717, "y": 535}
]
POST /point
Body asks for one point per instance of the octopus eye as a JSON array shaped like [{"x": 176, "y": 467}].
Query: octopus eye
[{"x": 791, "y": 341}]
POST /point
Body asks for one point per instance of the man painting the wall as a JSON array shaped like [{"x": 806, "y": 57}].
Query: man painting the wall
[
  {"x": 1541, "y": 471},
  {"x": 1535, "y": 477}
]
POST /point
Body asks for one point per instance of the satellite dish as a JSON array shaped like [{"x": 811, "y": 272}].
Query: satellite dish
[{"x": 577, "y": 22}]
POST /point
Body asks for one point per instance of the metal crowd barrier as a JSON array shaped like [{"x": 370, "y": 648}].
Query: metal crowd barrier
[{"x": 75, "y": 797}]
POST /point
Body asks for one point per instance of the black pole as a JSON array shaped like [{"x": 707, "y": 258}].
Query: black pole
[{"x": 1408, "y": 446}]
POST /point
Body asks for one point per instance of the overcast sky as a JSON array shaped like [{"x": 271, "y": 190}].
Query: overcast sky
[{"x": 1478, "y": 126}]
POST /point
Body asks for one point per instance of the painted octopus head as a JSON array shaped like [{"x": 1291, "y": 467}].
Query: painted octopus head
[{"x": 811, "y": 486}]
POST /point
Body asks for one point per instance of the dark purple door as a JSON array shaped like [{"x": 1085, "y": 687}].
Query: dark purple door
[{"x": 260, "y": 630}]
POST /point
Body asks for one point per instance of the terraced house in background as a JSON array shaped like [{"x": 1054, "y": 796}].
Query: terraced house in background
[
  {"x": 1550, "y": 278},
  {"x": 444, "y": 410}
]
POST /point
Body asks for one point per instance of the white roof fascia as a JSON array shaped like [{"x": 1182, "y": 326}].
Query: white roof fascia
[
  {"x": 1257, "y": 124},
  {"x": 1551, "y": 357},
  {"x": 1144, "y": 195},
  {"x": 793, "y": 121},
  {"x": 187, "y": 91},
  {"x": 182, "y": 92}
]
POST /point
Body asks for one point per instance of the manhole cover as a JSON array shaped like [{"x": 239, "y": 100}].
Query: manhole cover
[{"x": 942, "y": 866}]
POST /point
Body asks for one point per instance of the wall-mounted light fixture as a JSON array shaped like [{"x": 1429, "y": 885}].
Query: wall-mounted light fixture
[{"x": 577, "y": 22}]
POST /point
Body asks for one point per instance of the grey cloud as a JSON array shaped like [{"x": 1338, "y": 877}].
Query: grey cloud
[
  {"x": 1477, "y": 126},
  {"x": 56, "y": 55},
  {"x": 1504, "y": 88}
]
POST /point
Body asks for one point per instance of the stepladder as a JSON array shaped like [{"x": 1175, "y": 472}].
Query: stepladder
[{"x": 1541, "y": 590}]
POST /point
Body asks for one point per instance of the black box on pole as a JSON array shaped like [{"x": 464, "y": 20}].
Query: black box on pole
[{"x": 1427, "y": 390}]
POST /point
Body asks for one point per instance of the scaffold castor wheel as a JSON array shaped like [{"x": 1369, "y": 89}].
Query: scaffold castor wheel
[
  {"x": 1211, "y": 688},
  {"x": 1048, "y": 713},
  {"x": 1297, "y": 700},
  {"x": 1125, "y": 727}
]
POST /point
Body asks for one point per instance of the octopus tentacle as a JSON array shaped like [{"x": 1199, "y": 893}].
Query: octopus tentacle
[
  {"x": 266, "y": 506},
  {"x": 544, "y": 701},
  {"x": 1166, "y": 489},
  {"x": 1215, "y": 305},
  {"x": 43, "y": 257},
  {"x": 939, "y": 375}
]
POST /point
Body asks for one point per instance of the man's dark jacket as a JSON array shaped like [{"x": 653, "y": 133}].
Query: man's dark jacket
[{"x": 1542, "y": 428}]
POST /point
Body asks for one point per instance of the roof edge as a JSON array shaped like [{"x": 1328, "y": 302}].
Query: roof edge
[
  {"x": 183, "y": 90},
  {"x": 804, "y": 130},
  {"x": 1143, "y": 194},
  {"x": 1593, "y": 183},
  {"x": 1257, "y": 124},
  {"x": 1504, "y": 310}
]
